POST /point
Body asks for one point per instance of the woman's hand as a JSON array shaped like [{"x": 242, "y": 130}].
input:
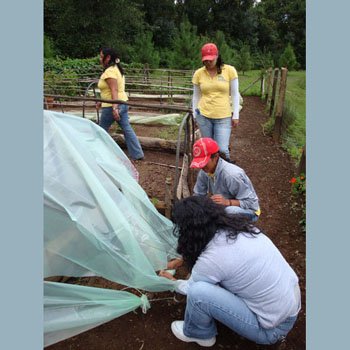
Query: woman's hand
[
  {"x": 235, "y": 123},
  {"x": 174, "y": 264},
  {"x": 98, "y": 105},
  {"x": 167, "y": 275},
  {"x": 116, "y": 114}
]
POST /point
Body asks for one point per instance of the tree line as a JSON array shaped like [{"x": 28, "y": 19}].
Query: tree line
[{"x": 170, "y": 33}]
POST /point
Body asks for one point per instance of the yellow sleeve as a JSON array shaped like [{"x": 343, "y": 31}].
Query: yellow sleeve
[
  {"x": 232, "y": 73},
  {"x": 109, "y": 73},
  {"x": 195, "y": 78}
]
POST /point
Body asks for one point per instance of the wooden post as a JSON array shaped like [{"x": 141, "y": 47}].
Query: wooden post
[
  {"x": 269, "y": 73},
  {"x": 280, "y": 103},
  {"x": 169, "y": 76},
  {"x": 182, "y": 188},
  {"x": 302, "y": 163},
  {"x": 147, "y": 73},
  {"x": 168, "y": 191},
  {"x": 262, "y": 84},
  {"x": 273, "y": 95}
]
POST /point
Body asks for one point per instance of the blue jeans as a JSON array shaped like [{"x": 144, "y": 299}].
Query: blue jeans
[
  {"x": 131, "y": 140},
  {"x": 238, "y": 210},
  {"x": 217, "y": 129},
  {"x": 206, "y": 302}
]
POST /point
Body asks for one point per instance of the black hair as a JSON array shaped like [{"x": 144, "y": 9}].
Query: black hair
[
  {"x": 196, "y": 221},
  {"x": 107, "y": 51},
  {"x": 221, "y": 155},
  {"x": 219, "y": 64}
]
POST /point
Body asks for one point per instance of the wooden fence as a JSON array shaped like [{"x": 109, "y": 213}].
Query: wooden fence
[
  {"x": 169, "y": 86},
  {"x": 278, "y": 111}
]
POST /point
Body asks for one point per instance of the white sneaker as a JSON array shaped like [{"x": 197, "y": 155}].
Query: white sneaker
[{"x": 177, "y": 329}]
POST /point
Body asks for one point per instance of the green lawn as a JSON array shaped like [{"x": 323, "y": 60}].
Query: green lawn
[{"x": 294, "y": 137}]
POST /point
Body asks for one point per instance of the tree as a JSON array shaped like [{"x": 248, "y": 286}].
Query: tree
[
  {"x": 225, "y": 51},
  {"x": 186, "y": 47},
  {"x": 48, "y": 51},
  {"x": 243, "y": 62},
  {"x": 161, "y": 17},
  {"x": 144, "y": 51},
  {"x": 80, "y": 28},
  {"x": 281, "y": 22},
  {"x": 288, "y": 58}
]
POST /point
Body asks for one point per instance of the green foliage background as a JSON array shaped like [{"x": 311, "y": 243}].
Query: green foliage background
[{"x": 169, "y": 34}]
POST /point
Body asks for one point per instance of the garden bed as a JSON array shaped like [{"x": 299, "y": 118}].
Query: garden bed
[{"x": 270, "y": 168}]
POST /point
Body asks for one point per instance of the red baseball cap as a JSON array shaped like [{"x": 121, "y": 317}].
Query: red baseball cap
[
  {"x": 209, "y": 51},
  {"x": 202, "y": 150}
]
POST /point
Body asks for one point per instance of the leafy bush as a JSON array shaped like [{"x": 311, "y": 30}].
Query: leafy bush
[
  {"x": 79, "y": 66},
  {"x": 48, "y": 50},
  {"x": 186, "y": 48},
  {"x": 288, "y": 58},
  {"x": 243, "y": 62},
  {"x": 144, "y": 51},
  {"x": 64, "y": 83},
  {"x": 228, "y": 54},
  {"x": 299, "y": 190}
]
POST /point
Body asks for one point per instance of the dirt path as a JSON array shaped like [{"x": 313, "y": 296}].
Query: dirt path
[{"x": 270, "y": 169}]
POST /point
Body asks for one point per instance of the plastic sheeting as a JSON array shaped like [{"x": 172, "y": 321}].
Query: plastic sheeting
[
  {"x": 97, "y": 219},
  {"x": 164, "y": 119},
  {"x": 73, "y": 309}
]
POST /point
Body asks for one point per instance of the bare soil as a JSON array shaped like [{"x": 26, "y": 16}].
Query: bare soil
[{"x": 270, "y": 169}]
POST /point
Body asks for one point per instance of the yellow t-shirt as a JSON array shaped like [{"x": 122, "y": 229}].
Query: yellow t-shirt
[
  {"x": 112, "y": 72},
  {"x": 215, "y": 100}
]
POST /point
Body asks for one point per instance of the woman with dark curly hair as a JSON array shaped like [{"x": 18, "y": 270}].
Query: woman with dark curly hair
[
  {"x": 238, "y": 277},
  {"x": 112, "y": 87}
]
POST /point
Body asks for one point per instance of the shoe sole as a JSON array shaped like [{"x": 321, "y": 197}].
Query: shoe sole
[{"x": 192, "y": 340}]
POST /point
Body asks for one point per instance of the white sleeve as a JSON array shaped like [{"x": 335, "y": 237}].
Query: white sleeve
[
  {"x": 235, "y": 97},
  {"x": 195, "y": 98},
  {"x": 182, "y": 286}
]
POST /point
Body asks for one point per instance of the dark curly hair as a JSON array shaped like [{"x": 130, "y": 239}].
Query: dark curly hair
[
  {"x": 107, "y": 51},
  {"x": 197, "y": 219}
]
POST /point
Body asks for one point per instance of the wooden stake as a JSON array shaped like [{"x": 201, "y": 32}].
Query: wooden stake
[
  {"x": 168, "y": 197},
  {"x": 262, "y": 87},
  {"x": 269, "y": 73},
  {"x": 182, "y": 188},
  {"x": 302, "y": 163},
  {"x": 280, "y": 104},
  {"x": 272, "y": 103}
]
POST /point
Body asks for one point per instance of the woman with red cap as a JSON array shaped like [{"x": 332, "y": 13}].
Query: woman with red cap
[{"x": 212, "y": 85}]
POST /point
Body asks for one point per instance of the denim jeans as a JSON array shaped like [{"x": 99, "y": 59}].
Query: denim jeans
[
  {"x": 206, "y": 302},
  {"x": 131, "y": 140},
  {"x": 217, "y": 129},
  {"x": 238, "y": 210}
]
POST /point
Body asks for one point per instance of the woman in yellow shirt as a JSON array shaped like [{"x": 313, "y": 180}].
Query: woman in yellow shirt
[
  {"x": 212, "y": 85},
  {"x": 112, "y": 87}
]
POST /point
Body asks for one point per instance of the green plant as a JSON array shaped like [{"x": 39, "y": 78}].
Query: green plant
[
  {"x": 288, "y": 58},
  {"x": 299, "y": 189},
  {"x": 170, "y": 133},
  {"x": 299, "y": 184},
  {"x": 243, "y": 62},
  {"x": 154, "y": 201}
]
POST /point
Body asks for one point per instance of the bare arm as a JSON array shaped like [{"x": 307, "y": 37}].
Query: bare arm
[{"x": 113, "y": 85}]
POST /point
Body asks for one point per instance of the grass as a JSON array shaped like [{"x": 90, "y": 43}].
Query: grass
[
  {"x": 294, "y": 113},
  {"x": 170, "y": 133}
]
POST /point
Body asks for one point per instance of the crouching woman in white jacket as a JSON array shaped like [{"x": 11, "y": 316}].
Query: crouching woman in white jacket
[{"x": 238, "y": 278}]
